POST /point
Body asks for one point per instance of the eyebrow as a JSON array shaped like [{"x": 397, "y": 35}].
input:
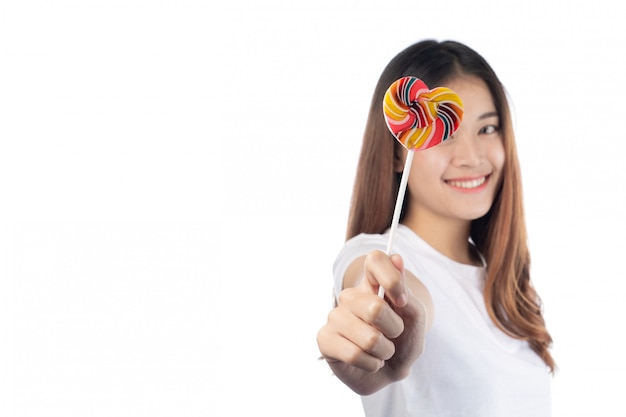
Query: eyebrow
[{"x": 488, "y": 115}]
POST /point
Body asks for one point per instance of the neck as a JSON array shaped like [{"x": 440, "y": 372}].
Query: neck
[{"x": 447, "y": 236}]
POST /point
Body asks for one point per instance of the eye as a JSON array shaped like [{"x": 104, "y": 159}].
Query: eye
[{"x": 489, "y": 129}]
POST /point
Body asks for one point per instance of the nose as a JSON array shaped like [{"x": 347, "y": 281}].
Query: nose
[{"x": 467, "y": 149}]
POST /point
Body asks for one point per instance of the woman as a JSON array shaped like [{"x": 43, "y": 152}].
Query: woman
[{"x": 460, "y": 331}]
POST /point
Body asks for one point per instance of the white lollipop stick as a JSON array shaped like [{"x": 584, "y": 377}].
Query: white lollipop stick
[
  {"x": 424, "y": 132},
  {"x": 396, "y": 211}
]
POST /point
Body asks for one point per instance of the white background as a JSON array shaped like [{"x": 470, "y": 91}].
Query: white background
[{"x": 175, "y": 179}]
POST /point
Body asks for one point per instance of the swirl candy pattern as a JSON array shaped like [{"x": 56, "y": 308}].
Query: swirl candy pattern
[{"x": 419, "y": 117}]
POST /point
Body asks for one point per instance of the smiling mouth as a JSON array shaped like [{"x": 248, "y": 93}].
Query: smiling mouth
[{"x": 468, "y": 184}]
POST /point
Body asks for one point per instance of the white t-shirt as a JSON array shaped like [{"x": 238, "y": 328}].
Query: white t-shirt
[{"x": 469, "y": 367}]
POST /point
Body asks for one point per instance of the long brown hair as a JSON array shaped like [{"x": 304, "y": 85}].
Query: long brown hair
[{"x": 500, "y": 235}]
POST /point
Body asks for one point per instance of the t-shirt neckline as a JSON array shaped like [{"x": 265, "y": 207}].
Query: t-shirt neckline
[{"x": 410, "y": 234}]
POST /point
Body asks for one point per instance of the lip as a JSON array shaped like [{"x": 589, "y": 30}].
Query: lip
[{"x": 473, "y": 184}]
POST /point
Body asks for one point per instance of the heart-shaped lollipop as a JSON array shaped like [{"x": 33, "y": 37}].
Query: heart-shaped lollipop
[{"x": 419, "y": 118}]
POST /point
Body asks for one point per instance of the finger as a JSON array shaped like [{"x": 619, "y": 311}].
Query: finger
[
  {"x": 336, "y": 348},
  {"x": 371, "y": 309},
  {"x": 388, "y": 272},
  {"x": 363, "y": 334},
  {"x": 403, "y": 294}
]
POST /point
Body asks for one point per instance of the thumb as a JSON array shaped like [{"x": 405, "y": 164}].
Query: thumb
[
  {"x": 403, "y": 296},
  {"x": 397, "y": 261}
]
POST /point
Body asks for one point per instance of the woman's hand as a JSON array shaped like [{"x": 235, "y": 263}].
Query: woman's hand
[{"x": 370, "y": 342}]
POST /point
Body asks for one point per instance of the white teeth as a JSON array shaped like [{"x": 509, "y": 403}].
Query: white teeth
[{"x": 468, "y": 184}]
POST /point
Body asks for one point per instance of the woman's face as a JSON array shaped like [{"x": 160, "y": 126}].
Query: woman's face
[{"x": 458, "y": 178}]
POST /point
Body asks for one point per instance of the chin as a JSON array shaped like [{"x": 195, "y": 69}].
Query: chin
[{"x": 476, "y": 214}]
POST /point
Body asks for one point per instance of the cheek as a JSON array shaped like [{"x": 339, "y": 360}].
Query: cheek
[
  {"x": 427, "y": 165},
  {"x": 496, "y": 155},
  {"x": 426, "y": 172}
]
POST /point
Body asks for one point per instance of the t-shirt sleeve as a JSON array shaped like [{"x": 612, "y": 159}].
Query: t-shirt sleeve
[{"x": 357, "y": 246}]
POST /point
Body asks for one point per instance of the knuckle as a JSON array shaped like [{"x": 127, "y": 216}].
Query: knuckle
[
  {"x": 321, "y": 338},
  {"x": 352, "y": 355},
  {"x": 371, "y": 342},
  {"x": 375, "y": 310},
  {"x": 375, "y": 256},
  {"x": 342, "y": 298},
  {"x": 345, "y": 297},
  {"x": 332, "y": 315},
  {"x": 357, "y": 358}
]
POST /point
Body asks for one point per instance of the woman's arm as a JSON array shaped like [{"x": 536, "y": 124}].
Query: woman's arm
[{"x": 369, "y": 342}]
